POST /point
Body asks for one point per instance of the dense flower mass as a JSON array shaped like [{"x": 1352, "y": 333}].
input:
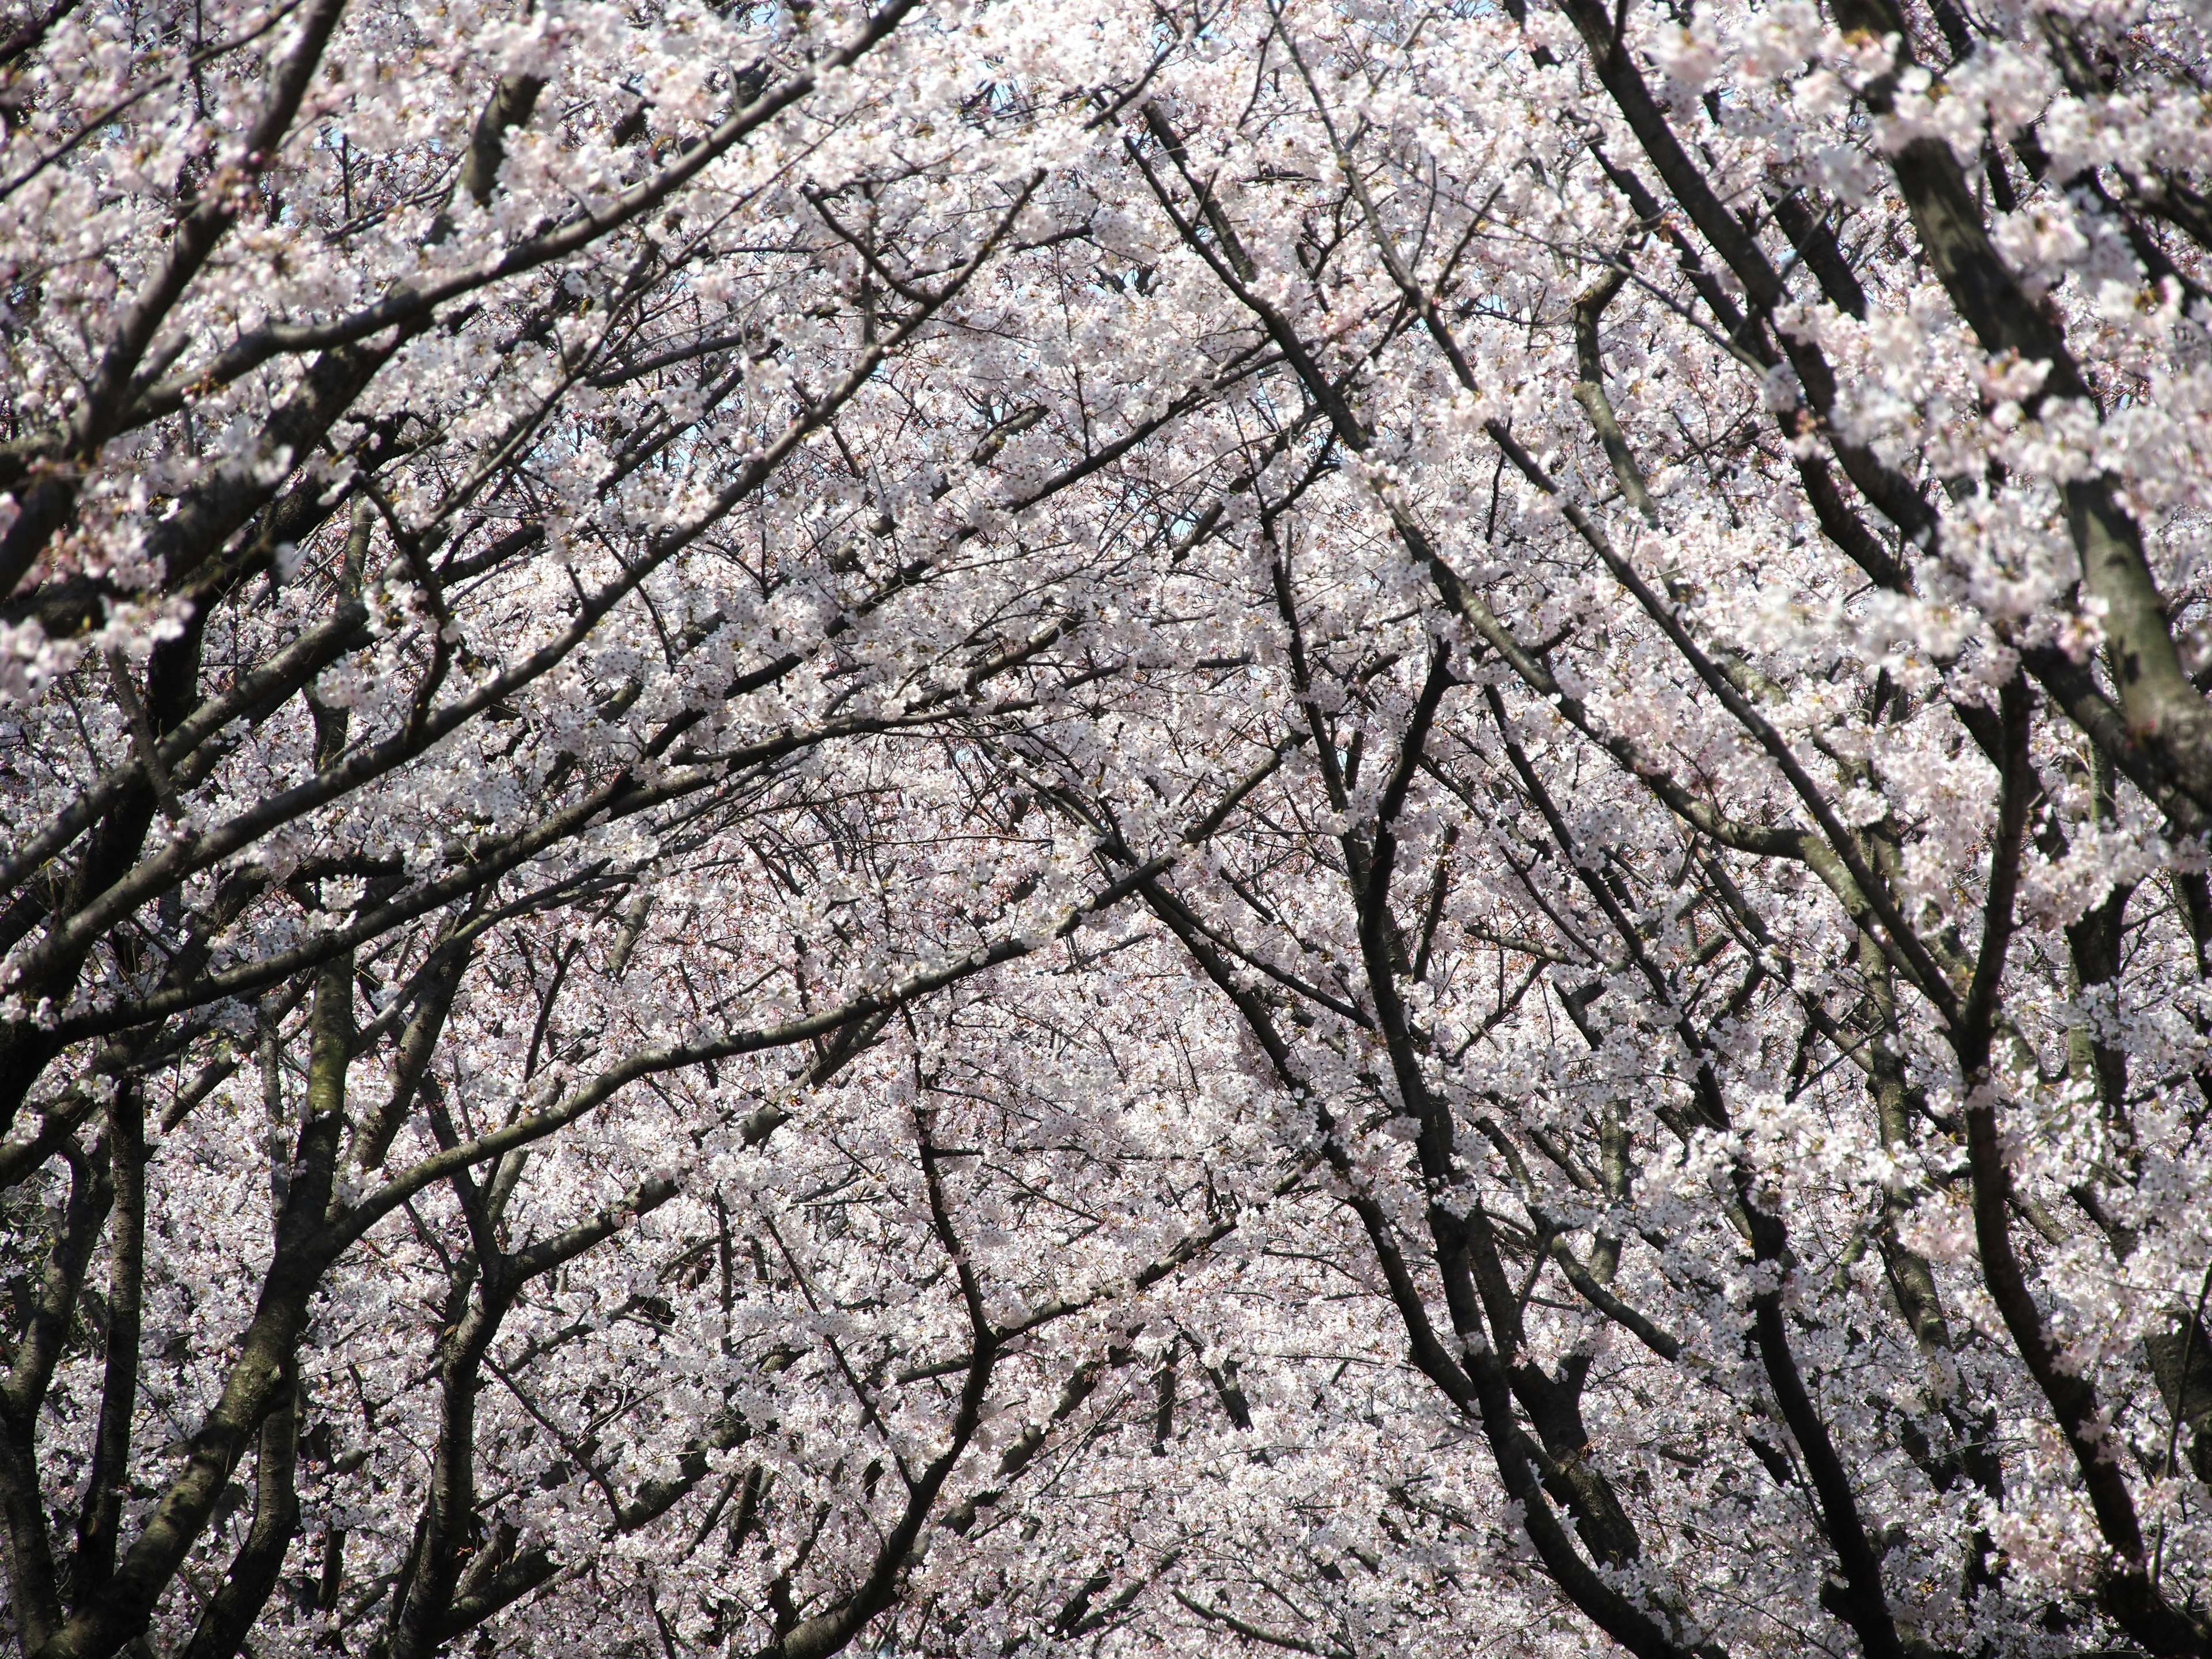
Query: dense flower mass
[{"x": 1158, "y": 827}]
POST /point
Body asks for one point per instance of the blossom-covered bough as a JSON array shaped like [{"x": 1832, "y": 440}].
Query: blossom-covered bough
[
  {"x": 418, "y": 523},
  {"x": 1907, "y": 1050},
  {"x": 1345, "y": 828}
]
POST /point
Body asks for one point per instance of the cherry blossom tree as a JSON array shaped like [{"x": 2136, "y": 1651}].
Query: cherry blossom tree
[{"x": 1336, "y": 827}]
